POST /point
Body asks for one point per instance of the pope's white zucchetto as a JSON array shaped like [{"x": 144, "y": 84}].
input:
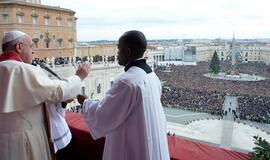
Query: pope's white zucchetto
[{"x": 12, "y": 35}]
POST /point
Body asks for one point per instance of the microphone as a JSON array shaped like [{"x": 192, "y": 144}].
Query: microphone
[{"x": 42, "y": 65}]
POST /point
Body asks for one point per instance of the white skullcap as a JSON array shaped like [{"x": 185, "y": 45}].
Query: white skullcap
[{"x": 12, "y": 35}]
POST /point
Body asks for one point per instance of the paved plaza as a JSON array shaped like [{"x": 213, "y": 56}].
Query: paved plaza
[
  {"x": 210, "y": 129},
  {"x": 240, "y": 77}
]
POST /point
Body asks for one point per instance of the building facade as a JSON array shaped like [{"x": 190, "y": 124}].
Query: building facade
[
  {"x": 52, "y": 29},
  {"x": 101, "y": 50},
  {"x": 245, "y": 53}
]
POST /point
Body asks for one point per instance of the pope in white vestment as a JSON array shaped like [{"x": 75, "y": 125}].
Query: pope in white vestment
[{"x": 23, "y": 90}]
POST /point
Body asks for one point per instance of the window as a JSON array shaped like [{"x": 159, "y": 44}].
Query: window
[
  {"x": 98, "y": 88},
  {"x": 5, "y": 18},
  {"x": 35, "y": 42},
  {"x": 58, "y": 22},
  {"x": 59, "y": 43},
  {"x": 47, "y": 20},
  {"x": 70, "y": 43},
  {"x": 34, "y": 20},
  {"x": 35, "y": 1},
  {"x": 70, "y": 24},
  {"x": 111, "y": 83},
  {"x": 20, "y": 15},
  {"x": 20, "y": 18},
  {"x": 47, "y": 44},
  {"x": 83, "y": 90},
  {"x": 59, "y": 19},
  {"x": 34, "y": 16}
]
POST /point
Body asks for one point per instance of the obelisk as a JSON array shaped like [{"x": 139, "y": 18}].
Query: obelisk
[{"x": 233, "y": 53}]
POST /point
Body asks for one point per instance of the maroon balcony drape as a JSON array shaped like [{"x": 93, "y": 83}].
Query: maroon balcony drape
[{"x": 85, "y": 148}]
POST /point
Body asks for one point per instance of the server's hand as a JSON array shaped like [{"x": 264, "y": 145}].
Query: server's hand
[
  {"x": 64, "y": 104},
  {"x": 81, "y": 98}
]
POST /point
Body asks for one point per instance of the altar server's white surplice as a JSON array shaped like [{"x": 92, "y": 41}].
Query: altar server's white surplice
[{"x": 131, "y": 117}]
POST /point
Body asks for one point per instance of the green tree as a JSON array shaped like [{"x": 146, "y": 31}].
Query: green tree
[
  {"x": 214, "y": 66},
  {"x": 262, "y": 149}
]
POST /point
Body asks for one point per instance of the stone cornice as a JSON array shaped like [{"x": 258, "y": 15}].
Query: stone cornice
[{"x": 36, "y": 6}]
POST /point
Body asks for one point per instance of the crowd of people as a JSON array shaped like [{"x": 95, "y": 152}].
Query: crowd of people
[
  {"x": 193, "y": 100},
  {"x": 254, "y": 108},
  {"x": 186, "y": 87},
  {"x": 72, "y": 60},
  {"x": 57, "y": 60},
  {"x": 192, "y": 77}
]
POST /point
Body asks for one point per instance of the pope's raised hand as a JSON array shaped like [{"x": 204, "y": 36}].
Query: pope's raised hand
[{"x": 83, "y": 70}]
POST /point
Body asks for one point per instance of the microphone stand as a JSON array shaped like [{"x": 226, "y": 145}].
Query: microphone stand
[{"x": 43, "y": 66}]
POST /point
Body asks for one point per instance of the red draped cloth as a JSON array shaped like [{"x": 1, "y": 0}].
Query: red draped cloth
[
  {"x": 182, "y": 149},
  {"x": 85, "y": 148}
]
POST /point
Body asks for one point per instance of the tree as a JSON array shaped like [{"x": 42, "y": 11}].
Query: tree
[
  {"x": 262, "y": 149},
  {"x": 214, "y": 66}
]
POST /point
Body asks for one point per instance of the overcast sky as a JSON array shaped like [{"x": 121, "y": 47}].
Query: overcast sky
[{"x": 166, "y": 19}]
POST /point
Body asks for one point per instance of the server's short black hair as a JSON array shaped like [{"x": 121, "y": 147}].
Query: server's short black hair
[{"x": 135, "y": 40}]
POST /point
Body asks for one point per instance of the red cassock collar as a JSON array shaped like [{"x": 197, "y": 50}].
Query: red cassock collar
[{"x": 10, "y": 56}]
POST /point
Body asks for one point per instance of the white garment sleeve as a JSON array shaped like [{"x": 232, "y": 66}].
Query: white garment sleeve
[
  {"x": 66, "y": 89},
  {"x": 56, "y": 90},
  {"x": 27, "y": 86},
  {"x": 104, "y": 116}
]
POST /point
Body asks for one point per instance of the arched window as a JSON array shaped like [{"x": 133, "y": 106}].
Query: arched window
[
  {"x": 70, "y": 42},
  {"x": 35, "y": 41},
  {"x": 20, "y": 15},
  {"x": 46, "y": 18},
  {"x": 59, "y": 42}
]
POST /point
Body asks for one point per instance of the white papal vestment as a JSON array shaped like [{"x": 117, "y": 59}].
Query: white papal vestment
[
  {"x": 131, "y": 117},
  {"x": 23, "y": 90}
]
